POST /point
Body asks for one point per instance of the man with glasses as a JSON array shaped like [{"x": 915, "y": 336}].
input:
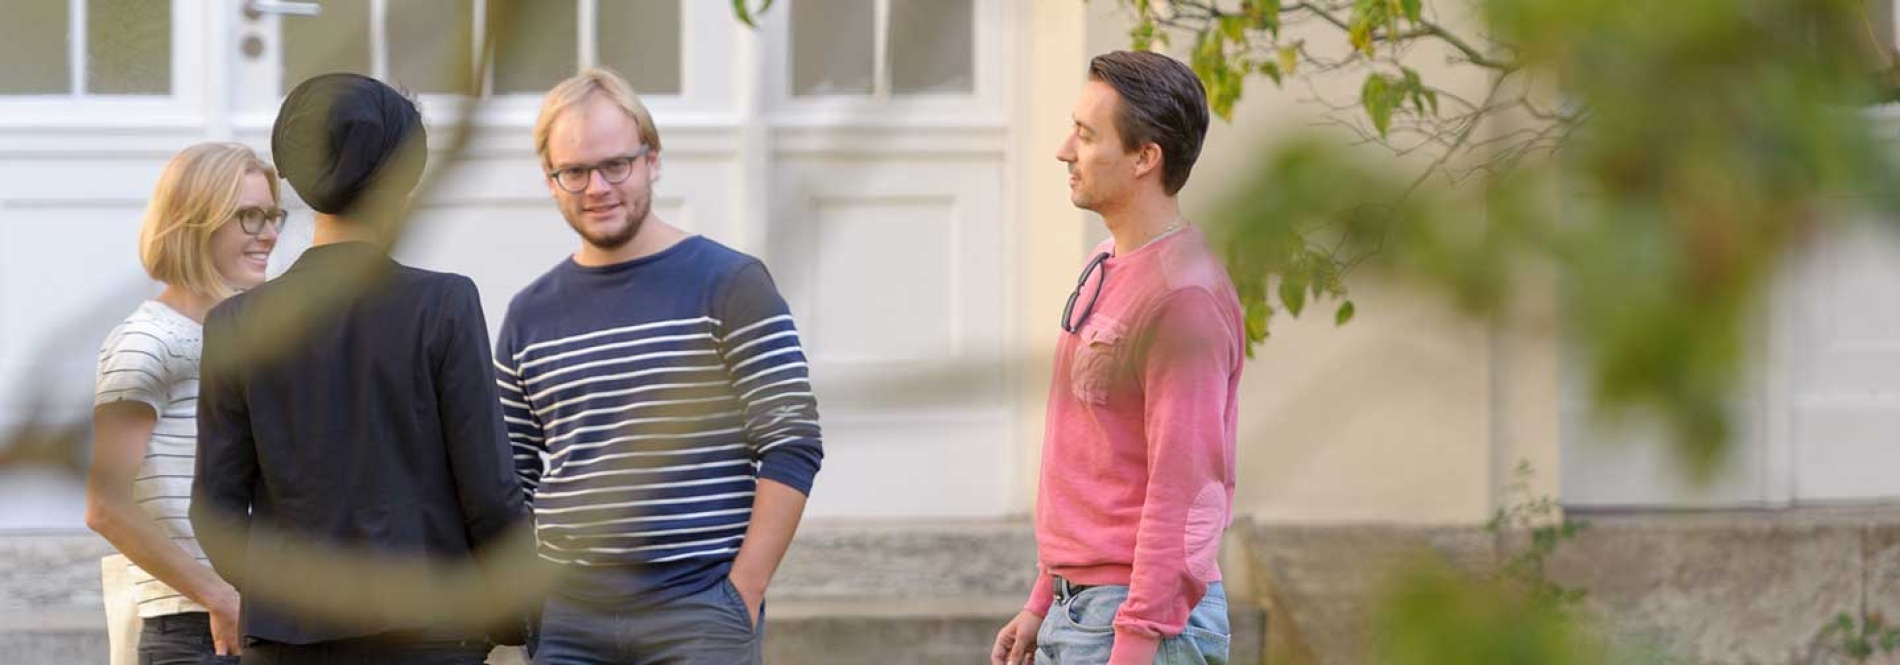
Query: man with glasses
[
  {"x": 656, "y": 394},
  {"x": 1138, "y": 452},
  {"x": 348, "y": 408}
]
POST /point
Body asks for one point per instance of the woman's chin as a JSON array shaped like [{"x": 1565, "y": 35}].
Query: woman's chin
[{"x": 245, "y": 282}]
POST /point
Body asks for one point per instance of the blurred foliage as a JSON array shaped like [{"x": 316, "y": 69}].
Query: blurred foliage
[
  {"x": 1691, "y": 146},
  {"x": 1432, "y": 616},
  {"x": 1510, "y": 613},
  {"x": 1857, "y": 641},
  {"x": 1546, "y": 527}
]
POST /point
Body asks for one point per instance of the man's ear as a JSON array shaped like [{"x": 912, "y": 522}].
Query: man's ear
[{"x": 1148, "y": 159}]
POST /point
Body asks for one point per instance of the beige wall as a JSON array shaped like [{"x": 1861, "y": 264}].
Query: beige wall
[
  {"x": 1411, "y": 413},
  {"x": 1052, "y": 232}
]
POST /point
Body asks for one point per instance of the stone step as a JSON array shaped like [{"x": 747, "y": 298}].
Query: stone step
[
  {"x": 928, "y": 632},
  {"x": 53, "y": 637},
  {"x": 59, "y": 571},
  {"x": 921, "y": 559},
  {"x": 830, "y": 632},
  {"x": 848, "y": 592}
]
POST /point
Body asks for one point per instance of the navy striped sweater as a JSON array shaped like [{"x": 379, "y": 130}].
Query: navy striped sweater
[{"x": 644, "y": 401}]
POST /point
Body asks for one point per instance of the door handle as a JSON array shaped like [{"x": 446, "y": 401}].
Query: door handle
[{"x": 254, "y": 9}]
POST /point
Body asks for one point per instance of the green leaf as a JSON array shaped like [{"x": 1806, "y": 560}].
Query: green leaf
[
  {"x": 1293, "y": 292},
  {"x": 1374, "y": 95},
  {"x": 1266, "y": 15},
  {"x": 1289, "y": 59},
  {"x": 1412, "y": 9},
  {"x": 743, "y": 10},
  {"x": 1142, "y": 36},
  {"x": 1843, "y": 623},
  {"x": 1256, "y": 312},
  {"x": 1413, "y": 88},
  {"x": 1325, "y": 275},
  {"x": 1233, "y": 27},
  {"x": 1344, "y": 314},
  {"x": 1272, "y": 71},
  {"x": 1217, "y": 72},
  {"x": 1366, "y": 15},
  {"x": 1360, "y": 34}
]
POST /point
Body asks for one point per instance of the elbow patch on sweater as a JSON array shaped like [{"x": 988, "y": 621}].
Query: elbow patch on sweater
[{"x": 1206, "y": 522}]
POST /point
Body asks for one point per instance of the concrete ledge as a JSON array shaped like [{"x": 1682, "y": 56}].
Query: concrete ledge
[
  {"x": 914, "y": 593},
  {"x": 885, "y": 560},
  {"x": 878, "y": 633},
  {"x": 1747, "y": 587}
]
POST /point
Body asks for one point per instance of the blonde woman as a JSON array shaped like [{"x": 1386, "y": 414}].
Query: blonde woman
[{"x": 207, "y": 234}]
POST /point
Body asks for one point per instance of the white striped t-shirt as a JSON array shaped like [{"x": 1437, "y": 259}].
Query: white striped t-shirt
[{"x": 152, "y": 358}]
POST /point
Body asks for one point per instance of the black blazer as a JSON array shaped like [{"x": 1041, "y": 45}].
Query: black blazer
[{"x": 372, "y": 427}]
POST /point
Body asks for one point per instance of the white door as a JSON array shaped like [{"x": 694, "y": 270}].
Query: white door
[
  {"x": 887, "y": 122},
  {"x": 1817, "y": 422},
  {"x": 94, "y": 96},
  {"x": 1842, "y": 376}
]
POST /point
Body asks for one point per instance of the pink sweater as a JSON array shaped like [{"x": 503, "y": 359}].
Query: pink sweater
[{"x": 1138, "y": 454}]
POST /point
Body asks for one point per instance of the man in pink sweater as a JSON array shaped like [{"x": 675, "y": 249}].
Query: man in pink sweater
[{"x": 1138, "y": 454}]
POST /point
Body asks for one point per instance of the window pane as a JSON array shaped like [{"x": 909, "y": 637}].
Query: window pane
[
  {"x": 336, "y": 41},
  {"x": 931, "y": 46},
  {"x": 33, "y": 46},
  {"x": 641, "y": 40},
  {"x": 128, "y": 47},
  {"x": 431, "y": 45},
  {"x": 535, "y": 48},
  {"x": 832, "y": 47}
]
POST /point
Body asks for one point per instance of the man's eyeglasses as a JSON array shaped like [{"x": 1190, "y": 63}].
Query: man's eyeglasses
[
  {"x": 574, "y": 179},
  {"x": 1070, "y": 322},
  {"x": 254, "y": 220}
]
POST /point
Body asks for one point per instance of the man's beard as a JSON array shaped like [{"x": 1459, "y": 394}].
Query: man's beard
[{"x": 636, "y": 217}]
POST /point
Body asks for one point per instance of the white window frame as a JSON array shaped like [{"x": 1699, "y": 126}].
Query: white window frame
[
  {"x": 193, "y": 24},
  {"x": 983, "y": 105},
  {"x": 707, "y": 69}
]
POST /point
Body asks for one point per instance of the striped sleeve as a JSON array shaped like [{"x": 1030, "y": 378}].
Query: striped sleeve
[
  {"x": 527, "y": 438},
  {"x": 132, "y": 368},
  {"x": 759, "y": 344}
]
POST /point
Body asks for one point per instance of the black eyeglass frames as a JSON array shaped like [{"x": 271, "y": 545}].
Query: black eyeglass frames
[{"x": 1070, "y": 323}]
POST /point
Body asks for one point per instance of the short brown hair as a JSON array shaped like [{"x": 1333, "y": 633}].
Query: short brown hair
[
  {"x": 1163, "y": 102},
  {"x": 588, "y": 83}
]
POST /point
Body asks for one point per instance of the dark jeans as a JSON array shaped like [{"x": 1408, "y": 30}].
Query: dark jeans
[
  {"x": 178, "y": 639},
  {"x": 393, "y": 649},
  {"x": 711, "y": 627}
]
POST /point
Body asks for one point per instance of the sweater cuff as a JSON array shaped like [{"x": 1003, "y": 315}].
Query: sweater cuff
[
  {"x": 1041, "y": 597},
  {"x": 791, "y": 467},
  {"x": 1133, "y": 648}
]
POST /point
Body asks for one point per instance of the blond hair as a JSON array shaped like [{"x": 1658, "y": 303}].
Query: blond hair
[
  {"x": 197, "y": 193},
  {"x": 588, "y": 83}
]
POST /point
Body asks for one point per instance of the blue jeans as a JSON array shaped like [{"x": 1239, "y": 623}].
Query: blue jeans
[
  {"x": 178, "y": 639},
  {"x": 712, "y": 627},
  {"x": 1080, "y": 629}
]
